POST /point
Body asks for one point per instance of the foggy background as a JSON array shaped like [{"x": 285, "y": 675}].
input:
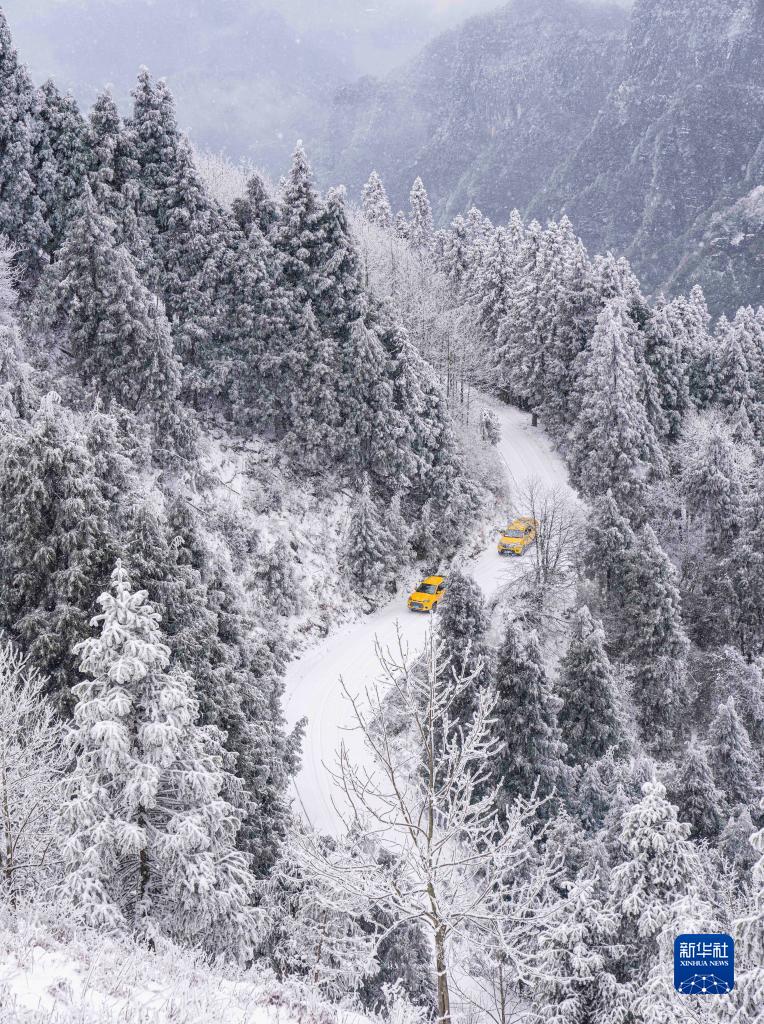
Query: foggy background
[{"x": 250, "y": 76}]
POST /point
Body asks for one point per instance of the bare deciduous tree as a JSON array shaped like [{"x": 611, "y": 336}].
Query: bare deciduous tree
[
  {"x": 454, "y": 867},
  {"x": 31, "y": 759}
]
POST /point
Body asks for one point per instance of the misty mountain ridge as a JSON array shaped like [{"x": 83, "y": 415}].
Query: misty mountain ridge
[{"x": 645, "y": 127}]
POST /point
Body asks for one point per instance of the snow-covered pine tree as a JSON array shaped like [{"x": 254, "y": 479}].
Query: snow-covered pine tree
[
  {"x": 60, "y": 158},
  {"x": 455, "y": 259},
  {"x": 749, "y": 931},
  {"x": 613, "y": 440},
  {"x": 748, "y": 572},
  {"x": 689, "y": 321},
  {"x": 369, "y": 554},
  {"x": 609, "y": 543},
  {"x": 712, "y": 485},
  {"x": 736, "y": 765},
  {"x": 120, "y": 335},
  {"x": 55, "y": 546},
  {"x": 655, "y": 640},
  {"x": 523, "y": 336},
  {"x": 374, "y": 202},
  {"x": 657, "y": 864},
  {"x": 529, "y": 747},
  {"x": 21, "y": 208},
  {"x": 113, "y": 173},
  {"x": 257, "y": 208},
  {"x": 185, "y": 229},
  {"x": 463, "y": 632},
  {"x": 298, "y": 234},
  {"x": 236, "y": 664},
  {"x": 571, "y": 312},
  {"x": 490, "y": 289},
  {"x": 589, "y": 719},
  {"x": 732, "y": 370},
  {"x": 420, "y": 225},
  {"x": 666, "y": 355},
  {"x": 151, "y": 837},
  {"x": 401, "y": 226},
  {"x": 694, "y": 792},
  {"x": 575, "y": 980},
  {"x": 366, "y": 441},
  {"x": 313, "y": 410}
]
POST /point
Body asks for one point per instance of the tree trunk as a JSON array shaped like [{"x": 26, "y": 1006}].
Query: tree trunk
[
  {"x": 8, "y": 866},
  {"x": 444, "y": 1001}
]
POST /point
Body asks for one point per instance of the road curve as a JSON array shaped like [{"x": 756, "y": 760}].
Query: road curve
[{"x": 314, "y": 681}]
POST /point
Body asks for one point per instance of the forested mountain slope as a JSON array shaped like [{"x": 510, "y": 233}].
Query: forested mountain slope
[
  {"x": 486, "y": 112},
  {"x": 646, "y": 129}
]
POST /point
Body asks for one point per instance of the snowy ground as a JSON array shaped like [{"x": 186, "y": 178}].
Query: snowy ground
[
  {"x": 91, "y": 979},
  {"x": 314, "y": 682}
]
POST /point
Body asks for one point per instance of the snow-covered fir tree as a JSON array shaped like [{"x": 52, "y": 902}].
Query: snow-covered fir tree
[
  {"x": 589, "y": 716},
  {"x": 736, "y": 765},
  {"x": 695, "y": 794},
  {"x": 613, "y": 439},
  {"x": 22, "y": 211},
  {"x": 657, "y": 864},
  {"x": 420, "y": 224},
  {"x": 463, "y": 631},
  {"x": 119, "y": 333},
  {"x": 529, "y": 749},
  {"x": 56, "y": 540},
  {"x": 374, "y": 202},
  {"x": 151, "y": 835}
]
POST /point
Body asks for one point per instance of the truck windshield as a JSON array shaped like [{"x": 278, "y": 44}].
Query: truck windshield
[
  {"x": 426, "y": 588},
  {"x": 514, "y": 534}
]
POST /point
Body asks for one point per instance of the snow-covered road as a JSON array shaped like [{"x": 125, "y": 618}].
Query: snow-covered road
[{"x": 313, "y": 682}]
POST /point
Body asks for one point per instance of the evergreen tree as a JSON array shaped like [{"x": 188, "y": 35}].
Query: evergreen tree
[
  {"x": 526, "y": 725},
  {"x": 374, "y": 202},
  {"x": 613, "y": 438},
  {"x": 732, "y": 370},
  {"x": 748, "y": 572},
  {"x": 490, "y": 289},
  {"x": 235, "y": 661},
  {"x": 657, "y": 864},
  {"x": 712, "y": 486},
  {"x": 120, "y": 336},
  {"x": 256, "y": 209},
  {"x": 366, "y": 440},
  {"x": 588, "y": 719},
  {"x": 610, "y": 541},
  {"x": 55, "y": 545},
  {"x": 655, "y": 640},
  {"x": 463, "y": 632},
  {"x": 21, "y": 208},
  {"x": 736, "y": 765},
  {"x": 151, "y": 835},
  {"x": 666, "y": 358},
  {"x": 420, "y": 227},
  {"x": 576, "y": 985},
  {"x": 750, "y": 931},
  {"x": 114, "y": 173},
  {"x": 299, "y": 234},
  {"x": 456, "y": 256},
  {"x": 369, "y": 549},
  {"x": 60, "y": 158},
  {"x": 694, "y": 793},
  {"x": 401, "y": 226}
]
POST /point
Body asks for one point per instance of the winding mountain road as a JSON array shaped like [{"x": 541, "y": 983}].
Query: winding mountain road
[{"x": 314, "y": 681}]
